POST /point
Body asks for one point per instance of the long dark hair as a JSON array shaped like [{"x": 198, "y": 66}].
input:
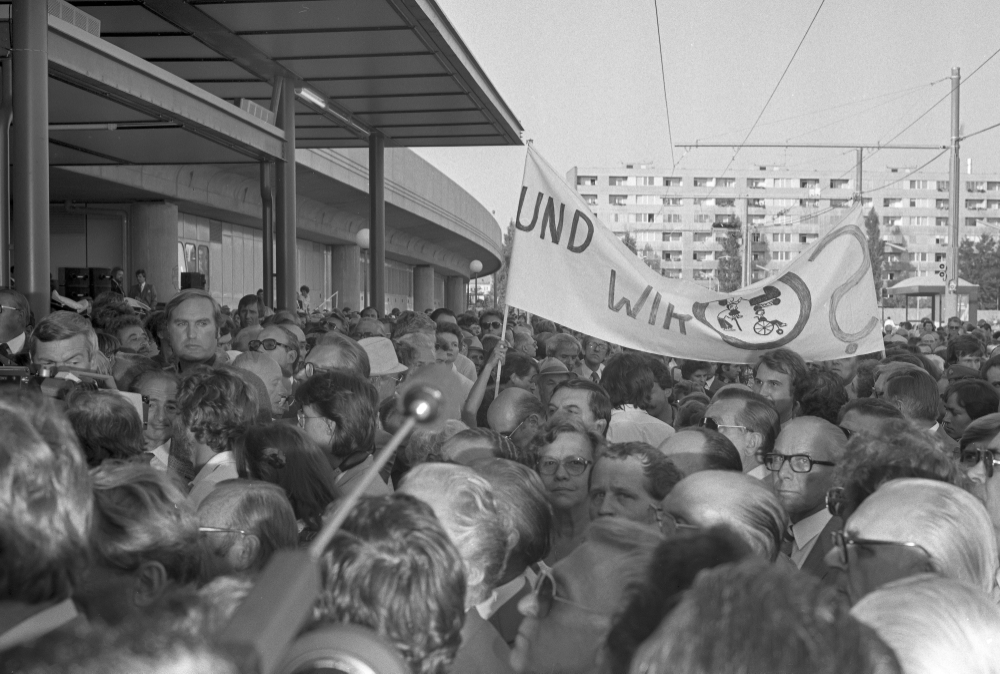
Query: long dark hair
[{"x": 300, "y": 468}]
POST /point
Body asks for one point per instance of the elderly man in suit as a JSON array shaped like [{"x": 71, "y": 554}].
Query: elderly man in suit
[
  {"x": 803, "y": 461},
  {"x": 143, "y": 291}
]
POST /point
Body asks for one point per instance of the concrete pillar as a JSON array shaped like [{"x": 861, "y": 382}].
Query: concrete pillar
[
  {"x": 284, "y": 207},
  {"x": 30, "y": 153},
  {"x": 423, "y": 288},
  {"x": 455, "y": 294},
  {"x": 345, "y": 264},
  {"x": 154, "y": 248},
  {"x": 376, "y": 222}
]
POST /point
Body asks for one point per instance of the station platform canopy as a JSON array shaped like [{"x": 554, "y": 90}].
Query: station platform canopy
[{"x": 393, "y": 67}]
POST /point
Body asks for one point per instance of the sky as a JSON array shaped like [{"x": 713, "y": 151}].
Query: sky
[{"x": 583, "y": 77}]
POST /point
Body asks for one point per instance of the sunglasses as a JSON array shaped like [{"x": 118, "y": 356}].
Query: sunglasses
[
  {"x": 842, "y": 539},
  {"x": 574, "y": 465},
  {"x": 268, "y": 344},
  {"x": 545, "y": 595},
  {"x": 492, "y": 325},
  {"x": 713, "y": 425},
  {"x": 971, "y": 456}
]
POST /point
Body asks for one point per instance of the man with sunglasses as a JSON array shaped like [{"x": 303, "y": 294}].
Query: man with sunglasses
[
  {"x": 280, "y": 345},
  {"x": 491, "y": 323},
  {"x": 750, "y": 421},
  {"x": 805, "y": 453},
  {"x": 979, "y": 457},
  {"x": 516, "y": 414}
]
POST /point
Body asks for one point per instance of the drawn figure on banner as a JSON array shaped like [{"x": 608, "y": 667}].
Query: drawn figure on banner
[
  {"x": 771, "y": 311},
  {"x": 730, "y": 313}
]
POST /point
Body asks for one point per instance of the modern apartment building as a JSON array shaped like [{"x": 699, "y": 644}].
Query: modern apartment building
[{"x": 679, "y": 218}]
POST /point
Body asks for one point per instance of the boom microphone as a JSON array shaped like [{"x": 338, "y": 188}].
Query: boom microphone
[{"x": 271, "y": 616}]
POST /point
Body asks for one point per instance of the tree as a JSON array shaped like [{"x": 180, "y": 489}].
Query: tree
[
  {"x": 876, "y": 249},
  {"x": 979, "y": 263},
  {"x": 729, "y": 271},
  {"x": 629, "y": 240}
]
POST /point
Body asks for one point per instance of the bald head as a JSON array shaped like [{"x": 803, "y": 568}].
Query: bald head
[
  {"x": 801, "y": 484},
  {"x": 697, "y": 449},
  {"x": 517, "y": 413},
  {"x": 743, "y": 503},
  {"x": 337, "y": 352},
  {"x": 812, "y": 432},
  {"x": 269, "y": 372}
]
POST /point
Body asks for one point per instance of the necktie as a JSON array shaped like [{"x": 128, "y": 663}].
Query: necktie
[{"x": 594, "y": 378}]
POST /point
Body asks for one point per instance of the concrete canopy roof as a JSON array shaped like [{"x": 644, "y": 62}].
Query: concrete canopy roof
[
  {"x": 930, "y": 285},
  {"x": 395, "y": 67}
]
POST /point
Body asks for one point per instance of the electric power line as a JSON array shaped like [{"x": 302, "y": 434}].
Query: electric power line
[
  {"x": 663, "y": 75},
  {"x": 910, "y": 174},
  {"x": 775, "y": 90},
  {"x": 976, "y": 133}
]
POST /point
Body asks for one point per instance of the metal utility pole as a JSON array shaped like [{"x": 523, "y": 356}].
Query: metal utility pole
[
  {"x": 747, "y": 244},
  {"x": 950, "y": 306}
]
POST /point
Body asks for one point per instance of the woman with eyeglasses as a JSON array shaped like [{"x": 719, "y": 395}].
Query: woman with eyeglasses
[{"x": 565, "y": 449}]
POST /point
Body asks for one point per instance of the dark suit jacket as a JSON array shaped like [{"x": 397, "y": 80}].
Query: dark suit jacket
[
  {"x": 814, "y": 564},
  {"x": 146, "y": 295},
  {"x": 483, "y": 651}
]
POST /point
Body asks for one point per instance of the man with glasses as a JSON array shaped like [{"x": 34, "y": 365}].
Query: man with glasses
[
  {"x": 65, "y": 339},
  {"x": 917, "y": 396},
  {"x": 14, "y": 312},
  {"x": 911, "y": 526},
  {"x": 595, "y": 352},
  {"x": 280, "y": 345},
  {"x": 805, "y": 453},
  {"x": 750, "y": 421},
  {"x": 516, "y": 414}
]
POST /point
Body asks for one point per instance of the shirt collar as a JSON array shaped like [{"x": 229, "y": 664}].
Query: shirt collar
[
  {"x": 220, "y": 458},
  {"x": 15, "y": 345},
  {"x": 809, "y": 528}
]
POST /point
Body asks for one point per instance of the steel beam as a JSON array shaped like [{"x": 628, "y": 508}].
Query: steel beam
[
  {"x": 82, "y": 60},
  {"x": 30, "y": 221},
  {"x": 376, "y": 225},
  {"x": 284, "y": 226}
]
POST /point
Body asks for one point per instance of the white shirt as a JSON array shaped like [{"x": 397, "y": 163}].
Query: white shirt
[
  {"x": 161, "y": 456},
  {"x": 760, "y": 472},
  {"x": 504, "y": 593},
  {"x": 220, "y": 467},
  {"x": 631, "y": 424},
  {"x": 806, "y": 533},
  {"x": 585, "y": 372},
  {"x": 15, "y": 345}
]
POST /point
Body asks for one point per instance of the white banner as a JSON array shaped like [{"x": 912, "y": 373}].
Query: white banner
[{"x": 568, "y": 267}]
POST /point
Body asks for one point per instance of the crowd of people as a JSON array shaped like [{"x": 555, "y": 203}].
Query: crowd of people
[{"x": 575, "y": 507}]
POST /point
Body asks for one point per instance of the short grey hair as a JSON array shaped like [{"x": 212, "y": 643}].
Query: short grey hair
[
  {"x": 62, "y": 325},
  {"x": 558, "y": 340},
  {"x": 934, "y": 624},
  {"x": 467, "y": 507},
  {"x": 951, "y": 524}
]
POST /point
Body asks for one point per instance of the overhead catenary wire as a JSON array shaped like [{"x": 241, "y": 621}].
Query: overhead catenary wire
[
  {"x": 976, "y": 133},
  {"x": 663, "y": 77},
  {"x": 775, "y": 90}
]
